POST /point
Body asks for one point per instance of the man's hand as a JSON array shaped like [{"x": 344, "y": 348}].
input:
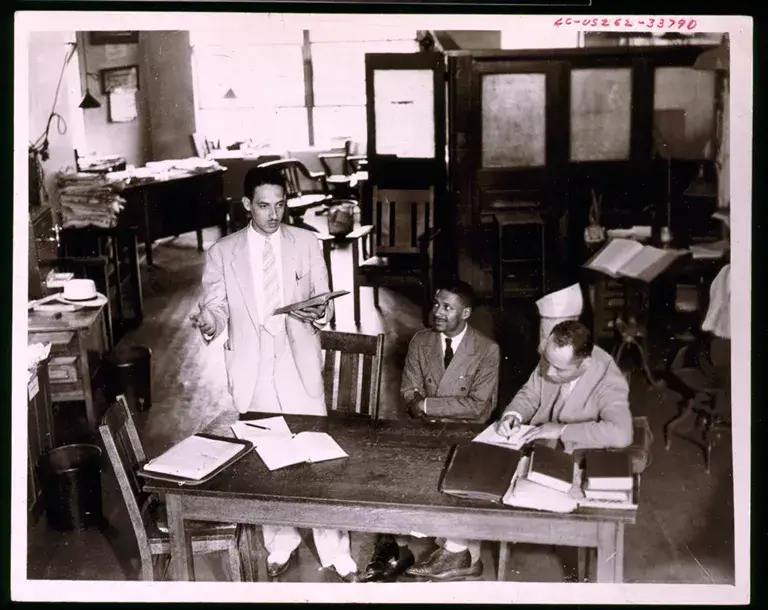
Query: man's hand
[
  {"x": 310, "y": 314},
  {"x": 506, "y": 425},
  {"x": 416, "y": 408},
  {"x": 205, "y": 321},
  {"x": 544, "y": 431}
]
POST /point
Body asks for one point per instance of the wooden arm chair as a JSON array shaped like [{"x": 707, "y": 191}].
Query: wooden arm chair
[
  {"x": 399, "y": 247},
  {"x": 147, "y": 514},
  {"x": 352, "y": 372},
  {"x": 298, "y": 202}
]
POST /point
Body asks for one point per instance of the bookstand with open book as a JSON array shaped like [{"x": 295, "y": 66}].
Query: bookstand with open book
[{"x": 634, "y": 266}]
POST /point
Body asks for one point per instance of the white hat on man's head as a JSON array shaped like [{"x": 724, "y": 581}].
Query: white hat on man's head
[{"x": 565, "y": 303}]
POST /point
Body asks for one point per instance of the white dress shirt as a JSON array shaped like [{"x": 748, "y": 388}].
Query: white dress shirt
[
  {"x": 455, "y": 341},
  {"x": 256, "y": 243}
]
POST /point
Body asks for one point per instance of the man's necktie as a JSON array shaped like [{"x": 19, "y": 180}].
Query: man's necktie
[
  {"x": 271, "y": 287},
  {"x": 558, "y": 404},
  {"x": 448, "y": 353}
]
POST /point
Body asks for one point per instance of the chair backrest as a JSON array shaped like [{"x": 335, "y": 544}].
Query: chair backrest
[
  {"x": 352, "y": 371},
  {"x": 400, "y": 217},
  {"x": 126, "y": 454},
  {"x": 296, "y": 176},
  {"x": 200, "y": 145}
]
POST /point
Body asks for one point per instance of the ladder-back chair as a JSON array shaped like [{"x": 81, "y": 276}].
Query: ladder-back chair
[
  {"x": 147, "y": 514},
  {"x": 398, "y": 247},
  {"x": 352, "y": 372}
]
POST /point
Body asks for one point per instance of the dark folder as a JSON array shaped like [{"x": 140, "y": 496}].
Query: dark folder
[{"x": 479, "y": 471}]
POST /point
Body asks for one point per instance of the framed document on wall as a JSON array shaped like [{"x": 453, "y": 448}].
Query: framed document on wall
[
  {"x": 116, "y": 37},
  {"x": 125, "y": 77}
]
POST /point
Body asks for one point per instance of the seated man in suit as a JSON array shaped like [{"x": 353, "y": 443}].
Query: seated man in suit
[
  {"x": 577, "y": 395},
  {"x": 451, "y": 374}
]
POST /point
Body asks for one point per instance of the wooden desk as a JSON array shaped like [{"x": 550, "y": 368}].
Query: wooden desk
[
  {"x": 388, "y": 484},
  {"x": 80, "y": 339},
  {"x": 172, "y": 205}
]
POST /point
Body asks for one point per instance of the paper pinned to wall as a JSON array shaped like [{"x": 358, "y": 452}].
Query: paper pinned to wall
[
  {"x": 122, "y": 105},
  {"x": 405, "y": 113},
  {"x": 116, "y": 53}
]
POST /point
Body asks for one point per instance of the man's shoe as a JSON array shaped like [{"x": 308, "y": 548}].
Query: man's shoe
[
  {"x": 276, "y": 569},
  {"x": 389, "y": 560},
  {"x": 444, "y": 566},
  {"x": 351, "y": 577}
]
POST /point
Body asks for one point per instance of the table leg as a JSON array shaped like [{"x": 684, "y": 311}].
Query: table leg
[
  {"x": 147, "y": 232},
  {"x": 610, "y": 552},
  {"x": 503, "y": 560},
  {"x": 181, "y": 544},
  {"x": 199, "y": 233}
]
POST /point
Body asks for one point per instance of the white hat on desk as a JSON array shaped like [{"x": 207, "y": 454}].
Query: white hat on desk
[{"x": 556, "y": 307}]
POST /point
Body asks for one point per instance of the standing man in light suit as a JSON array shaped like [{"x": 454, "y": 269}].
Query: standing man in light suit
[{"x": 274, "y": 362}]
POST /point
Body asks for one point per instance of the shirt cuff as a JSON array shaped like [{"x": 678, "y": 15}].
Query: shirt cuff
[
  {"x": 425, "y": 406},
  {"x": 514, "y": 414}
]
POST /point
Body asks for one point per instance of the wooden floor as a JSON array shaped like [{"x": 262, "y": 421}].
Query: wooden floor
[{"x": 684, "y": 532}]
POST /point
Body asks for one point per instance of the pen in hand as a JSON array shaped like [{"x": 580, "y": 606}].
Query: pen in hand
[{"x": 255, "y": 426}]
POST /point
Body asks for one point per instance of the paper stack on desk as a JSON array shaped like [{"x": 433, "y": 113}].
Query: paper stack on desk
[
  {"x": 194, "y": 457},
  {"x": 261, "y": 430}
]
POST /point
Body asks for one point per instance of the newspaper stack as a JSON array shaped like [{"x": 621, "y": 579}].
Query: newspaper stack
[{"x": 88, "y": 200}]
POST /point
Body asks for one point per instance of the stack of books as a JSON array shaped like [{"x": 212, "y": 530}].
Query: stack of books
[{"x": 609, "y": 480}]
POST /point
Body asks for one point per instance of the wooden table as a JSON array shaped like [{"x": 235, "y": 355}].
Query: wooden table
[
  {"x": 388, "y": 484},
  {"x": 79, "y": 337},
  {"x": 173, "y": 204}
]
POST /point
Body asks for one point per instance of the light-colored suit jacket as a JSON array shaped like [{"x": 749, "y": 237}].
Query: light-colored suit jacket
[
  {"x": 596, "y": 411},
  {"x": 467, "y": 390},
  {"x": 228, "y": 293}
]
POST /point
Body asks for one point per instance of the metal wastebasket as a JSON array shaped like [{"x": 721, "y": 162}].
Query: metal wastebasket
[
  {"x": 129, "y": 372},
  {"x": 70, "y": 477}
]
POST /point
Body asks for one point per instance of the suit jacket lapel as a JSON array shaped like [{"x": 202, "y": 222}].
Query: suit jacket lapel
[
  {"x": 288, "y": 248},
  {"x": 432, "y": 356},
  {"x": 242, "y": 265},
  {"x": 463, "y": 355},
  {"x": 549, "y": 392}
]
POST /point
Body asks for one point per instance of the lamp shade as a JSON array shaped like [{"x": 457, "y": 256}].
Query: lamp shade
[
  {"x": 230, "y": 94},
  {"x": 89, "y": 101},
  {"x": 717, "y": 59}
]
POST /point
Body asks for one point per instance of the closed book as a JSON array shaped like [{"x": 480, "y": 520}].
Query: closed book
[
  {"x": 552, "y": 468},
  {"x": 479, "y": 471},
  {"x": 608, "y": 470}
]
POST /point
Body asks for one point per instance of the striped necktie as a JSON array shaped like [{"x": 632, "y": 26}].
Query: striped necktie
[{"x": 271, "y": 286}]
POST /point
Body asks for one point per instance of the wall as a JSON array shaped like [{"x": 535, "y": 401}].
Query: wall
[
  {"x": 103, "y": 137},
  {"x": 532, "y": 38},
  {"x": 476, "y": 39},
  {"x": 47, "y": 51},
  {"x": 166, "y": 73}
]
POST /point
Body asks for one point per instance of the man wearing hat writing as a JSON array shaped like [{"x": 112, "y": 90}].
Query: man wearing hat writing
[{"x": 577, "y": 394}]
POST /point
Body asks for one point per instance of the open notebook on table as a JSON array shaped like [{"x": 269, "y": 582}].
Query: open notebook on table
[
  {"x": 278, "y": 447},
  {"x": 490, "y": 436}
]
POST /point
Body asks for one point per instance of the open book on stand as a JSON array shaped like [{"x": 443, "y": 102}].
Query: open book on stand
[{"x": 631, "y": 259}]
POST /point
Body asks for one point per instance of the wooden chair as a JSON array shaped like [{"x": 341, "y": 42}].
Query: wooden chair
[
  {"x": 399, "y": 246},
  {"x": 701, "y": 372},
  {"x": 352, "y": 372},
  {"x": 298, "y": 201},
  {"x": 126, "y": 454},
  {"x": 337, "y": 171}
]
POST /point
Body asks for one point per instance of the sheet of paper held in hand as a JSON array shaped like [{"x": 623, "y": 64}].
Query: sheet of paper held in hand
[
  {"x": 194, "y": 457},
  {"x": 489, "y": 436},
  {"x": 278, "y": 448}
]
